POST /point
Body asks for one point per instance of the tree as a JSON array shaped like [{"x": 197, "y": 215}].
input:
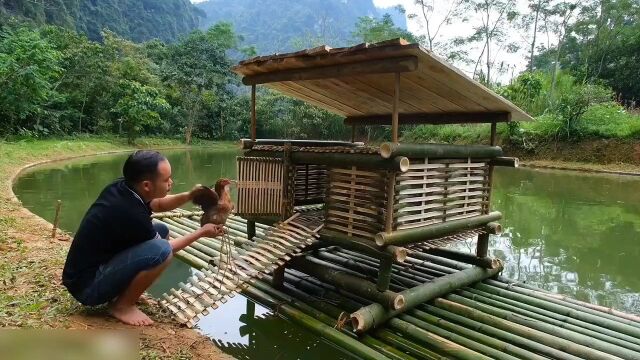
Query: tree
[
  {"x": 29, "y": 67},
  {"x": 452, "y": 10},
  {"x": 197, "y": 70},
  {"x": 374, "y": 30},
  {"x": 494, "y": 18},
  {"x": 139, "y": 106}
]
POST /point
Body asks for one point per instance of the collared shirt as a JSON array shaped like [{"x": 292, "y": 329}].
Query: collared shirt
[{"x": 117, "y": 220}]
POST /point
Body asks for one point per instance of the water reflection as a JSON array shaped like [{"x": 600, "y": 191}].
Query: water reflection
[{"x": 571, "y": 233}]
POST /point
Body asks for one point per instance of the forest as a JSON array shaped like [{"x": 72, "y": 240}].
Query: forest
[{"x": 61, "y": 76}]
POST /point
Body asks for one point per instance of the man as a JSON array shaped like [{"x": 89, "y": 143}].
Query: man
[{"x": 118, "y": 252}]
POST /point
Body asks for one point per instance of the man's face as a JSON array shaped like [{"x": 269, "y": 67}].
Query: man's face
[{"x": 161, "y": 185}]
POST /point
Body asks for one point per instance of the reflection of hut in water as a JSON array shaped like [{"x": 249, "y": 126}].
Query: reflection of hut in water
[
  {"x": 369, "y": 224},
  {"x": 268, "y": 336}
]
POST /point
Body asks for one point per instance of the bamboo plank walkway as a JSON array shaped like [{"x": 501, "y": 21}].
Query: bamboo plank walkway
[{"x": 496, "y": 318}]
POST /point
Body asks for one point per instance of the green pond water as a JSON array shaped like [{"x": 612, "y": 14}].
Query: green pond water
[{"x": 576, "y": 234}]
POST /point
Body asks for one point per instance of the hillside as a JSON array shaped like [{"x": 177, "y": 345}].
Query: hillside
[
  {"x": 284, "y": 25},
  {"x": 137, "y": 20}
]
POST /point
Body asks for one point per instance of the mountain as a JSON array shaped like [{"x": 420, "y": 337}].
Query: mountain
[
  {"x": 137, "y": 20},
  {"x": 286, "y": 25}
]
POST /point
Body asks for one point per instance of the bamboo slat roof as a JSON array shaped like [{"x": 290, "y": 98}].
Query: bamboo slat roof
[{"x": 350, "y": 82}]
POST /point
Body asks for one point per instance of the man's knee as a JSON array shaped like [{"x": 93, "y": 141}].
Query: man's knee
[
  {"x": 161, "y": 250},
  {"x": 161, "y": 229}
]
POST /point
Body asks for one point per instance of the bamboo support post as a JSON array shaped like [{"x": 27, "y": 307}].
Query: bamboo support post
[
  {"x": 482, "y": 247},
  {"x": 353, "y": 133},
  {"x": 396, "y": 106},
  {"x": 439, "y": 151},
  {"x": 384, "y": 274},
  {"x": 278, "y": 277},
  {"x": 253, "y": 113},
  {"x": 409, "y": 236},
  {"x": 342, "y": 279},
  {"x": 482, "y": 261},
  {"x": 494, "y": 134},
  {"x": 374, "y": 315},
  {"x": 56, "y": 219},
  {"x": 251, "y": 229}
]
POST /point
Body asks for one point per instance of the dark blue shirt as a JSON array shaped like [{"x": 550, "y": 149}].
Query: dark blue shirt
[{"x": 116, "y": 221}]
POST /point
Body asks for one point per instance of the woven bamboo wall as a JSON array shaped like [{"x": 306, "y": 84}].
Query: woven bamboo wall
[
  {"x": 434, "y": 191},
  {"x": 260, "y": 186},
  {"x": 310, "y": 184},
  {"x": 356, "y": 202}
]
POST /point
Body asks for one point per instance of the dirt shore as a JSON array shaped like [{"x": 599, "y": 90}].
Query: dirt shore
[{"x": 31, "y": 295}]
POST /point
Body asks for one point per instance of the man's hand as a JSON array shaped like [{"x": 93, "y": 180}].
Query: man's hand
[
  {"x": 211, "y": 230},
  {"x": 193, "y": 191}
]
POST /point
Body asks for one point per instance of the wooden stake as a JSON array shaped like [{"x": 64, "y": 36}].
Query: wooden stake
[
  {"x": 396, "y": 105},
  {"x": 251, "y": 229},
  {"x": 253, "y": 112},
  {"x": 56, "y": 219}
]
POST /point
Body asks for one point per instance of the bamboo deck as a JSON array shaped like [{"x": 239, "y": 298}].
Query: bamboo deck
[{"x": 496, "y": 318}]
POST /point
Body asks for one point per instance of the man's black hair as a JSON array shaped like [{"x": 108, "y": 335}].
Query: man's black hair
[{"x": 141, "y": 165}]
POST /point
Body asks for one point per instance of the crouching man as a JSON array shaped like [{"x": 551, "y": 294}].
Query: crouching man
[{"x": 117, "y": 252}]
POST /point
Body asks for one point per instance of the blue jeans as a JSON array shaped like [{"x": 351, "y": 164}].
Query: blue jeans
[{"x": 113, "y": 278}]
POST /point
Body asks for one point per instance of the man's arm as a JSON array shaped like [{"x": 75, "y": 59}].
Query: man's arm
[
  {"x": 208, "y": 230},
  {"x": 170, "y": 202}
]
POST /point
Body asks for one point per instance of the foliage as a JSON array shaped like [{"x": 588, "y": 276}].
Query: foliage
[
  {"x": 139, "y": 106},
  {"x": 29, "y": 66},
  {"x": 373, "y": 30},
  {"x": 131, "y": 19}
]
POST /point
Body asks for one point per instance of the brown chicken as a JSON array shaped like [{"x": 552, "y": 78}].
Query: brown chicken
[{"x": 217, "y": 205}]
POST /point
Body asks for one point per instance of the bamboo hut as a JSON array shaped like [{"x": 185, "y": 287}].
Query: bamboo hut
[{"x": 349, "y": 239}]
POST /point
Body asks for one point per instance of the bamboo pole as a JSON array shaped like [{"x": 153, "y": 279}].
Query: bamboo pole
[
  {"x": 553, "y": 318},
  {"x": 56, "y": 219},
  {"x": 518, "y": 294},
  {"x": 357, "y": 285},
  {"x": 399, "y": 254},
  {"x": 409, "y": 236},
  {"x": 374, "y": 315},
  {"x": 482, "y": 261},
  {"x": 551, "y": 340},
  {"x": 253, "y": 113},
  {"x": 439, "y": 151},
  {"x": 384, "y": 275},
  {"x": 248, "y": 144},
  {"x": 395, "y": 109},
  {"x": 482, "y": 246},
  {"x": 494, "y": 134},
  {"x": 505, "y": 161}
]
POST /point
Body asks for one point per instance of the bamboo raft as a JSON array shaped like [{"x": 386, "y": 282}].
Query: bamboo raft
[
  {"x": 349, "y": 240},
  {"x": 495, "y": 318}
]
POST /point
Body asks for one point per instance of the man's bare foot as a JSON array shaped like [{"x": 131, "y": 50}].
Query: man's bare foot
[{"x": 130, "y": 315}]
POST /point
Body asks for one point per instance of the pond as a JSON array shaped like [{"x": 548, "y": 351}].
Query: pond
[{"x": 572, "y": 233}]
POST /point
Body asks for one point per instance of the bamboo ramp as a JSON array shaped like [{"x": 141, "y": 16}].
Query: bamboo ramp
[{"x": 245, "y": 261}]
